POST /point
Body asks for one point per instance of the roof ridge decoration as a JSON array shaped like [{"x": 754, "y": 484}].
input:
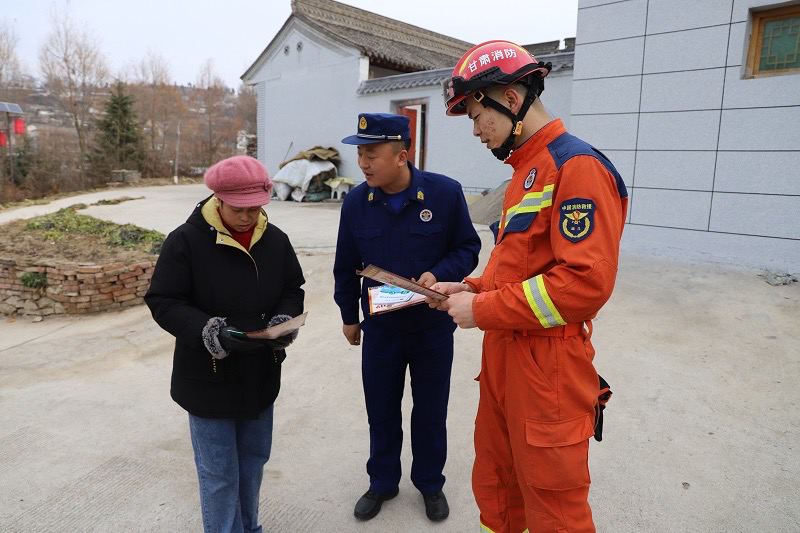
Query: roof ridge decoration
[{"x": 327, "y": 12}]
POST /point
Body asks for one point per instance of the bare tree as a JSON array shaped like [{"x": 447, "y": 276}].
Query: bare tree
[
  {"x": 9, "y": 63},
  {"x": 247, "y": 108},
  {"x": 74, "y": 70},
  {"x": 216, "y": 131},
  {"x": 161, "y": 107}
]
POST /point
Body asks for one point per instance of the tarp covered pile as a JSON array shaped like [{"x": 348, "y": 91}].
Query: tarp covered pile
[
  {"x": 303, "y": 177},
  {"x": 489, "y": 208}
]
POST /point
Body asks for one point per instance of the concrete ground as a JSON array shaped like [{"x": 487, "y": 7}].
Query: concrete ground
[{"x": 701, "y": 434}]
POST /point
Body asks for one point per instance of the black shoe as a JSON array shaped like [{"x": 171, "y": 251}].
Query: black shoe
[
  {"x": 369, "y": 505},
  {"x": 436, "y": 506}
]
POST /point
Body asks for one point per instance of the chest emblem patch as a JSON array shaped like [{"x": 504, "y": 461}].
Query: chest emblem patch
[
  {"x": 425, "y": 215},
  {"x": 529, "y": 180},
  {"x": 577, "y": 218}
]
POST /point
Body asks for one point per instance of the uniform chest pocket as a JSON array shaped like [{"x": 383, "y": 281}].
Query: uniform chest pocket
[
  {"x": 520, "y": 222},
  {"x": 426, "y": 241},
  {"x": 534, "y": 205},
  {"x": 368, "y": 242},
  {"x": 523, "y": 233}
]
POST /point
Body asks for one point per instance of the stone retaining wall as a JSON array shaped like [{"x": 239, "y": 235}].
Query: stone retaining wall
[{"x": 71, "y": 288}]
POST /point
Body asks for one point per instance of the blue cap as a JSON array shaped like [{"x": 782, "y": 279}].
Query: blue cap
[{"x": 380, "y": 128}]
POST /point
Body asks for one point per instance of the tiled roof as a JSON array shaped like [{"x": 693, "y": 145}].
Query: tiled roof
[
  {"x": 387, "y": 42},
  {"x": 550, "y": 47},
  {"x": 405, "y": 81},
  {"x": 561, "y": 61}
]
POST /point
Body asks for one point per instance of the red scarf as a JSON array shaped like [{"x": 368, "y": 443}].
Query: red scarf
[{"x": 242, "y": 237}]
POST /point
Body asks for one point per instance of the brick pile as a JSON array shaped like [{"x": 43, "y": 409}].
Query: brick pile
[{"x": 71, "y": 288}]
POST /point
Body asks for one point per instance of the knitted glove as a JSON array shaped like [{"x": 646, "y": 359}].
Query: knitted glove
[{"x": 281, "y": 342}]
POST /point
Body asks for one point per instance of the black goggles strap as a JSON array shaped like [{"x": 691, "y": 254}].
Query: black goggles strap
[{"x": 486, "y": 101}]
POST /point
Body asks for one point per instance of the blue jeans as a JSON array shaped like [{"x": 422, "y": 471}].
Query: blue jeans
[{"x": 230, "y": 455}]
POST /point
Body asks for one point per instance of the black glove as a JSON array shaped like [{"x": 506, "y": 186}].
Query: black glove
[
  {"x": 234, "y": 340},
  {"x": 220, "y": 339},
  {"x": 280, "y": 343}
]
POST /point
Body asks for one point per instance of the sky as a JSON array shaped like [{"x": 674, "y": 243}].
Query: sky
[{"x": 233, "y": 33}]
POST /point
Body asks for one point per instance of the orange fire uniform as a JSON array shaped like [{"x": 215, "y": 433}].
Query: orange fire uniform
[{"x": 552, "y": 269}]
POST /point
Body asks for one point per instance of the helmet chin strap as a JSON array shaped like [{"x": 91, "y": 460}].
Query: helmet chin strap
[{"x": 502, "y": 152}]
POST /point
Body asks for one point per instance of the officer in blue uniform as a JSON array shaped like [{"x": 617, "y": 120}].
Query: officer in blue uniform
[{"x": 415, "y": 224}]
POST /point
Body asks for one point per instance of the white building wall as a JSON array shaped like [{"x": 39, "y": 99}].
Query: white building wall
[
  {"x": 261, "y": 123},
  {"x": 309, "y": 98},
  {"x": 557, "y": 95},
  {"x": 710, "y": 159}
]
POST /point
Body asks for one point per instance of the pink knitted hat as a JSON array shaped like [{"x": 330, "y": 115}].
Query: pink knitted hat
[{"x": 240, "y": 181}]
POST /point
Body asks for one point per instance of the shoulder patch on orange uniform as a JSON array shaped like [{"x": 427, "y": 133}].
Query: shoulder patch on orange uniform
[{"x": 577, "y": 218}]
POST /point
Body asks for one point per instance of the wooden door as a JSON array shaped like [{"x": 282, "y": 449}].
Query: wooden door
[{"x": 411, "y": 113}]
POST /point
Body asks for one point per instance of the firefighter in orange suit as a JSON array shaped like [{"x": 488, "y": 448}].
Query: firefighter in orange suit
[{"x": 553, "y": 267}]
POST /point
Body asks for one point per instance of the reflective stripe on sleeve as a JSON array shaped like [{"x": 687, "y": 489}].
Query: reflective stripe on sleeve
[
  {"x": 485, "y": 529},
  {"x": 540, "y": 303}
]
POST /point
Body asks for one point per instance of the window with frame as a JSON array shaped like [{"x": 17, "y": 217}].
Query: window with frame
[{"x": 774, "y": 42}]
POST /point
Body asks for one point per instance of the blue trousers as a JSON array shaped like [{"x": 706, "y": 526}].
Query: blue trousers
[
  {"x": 230, "y": 455},
  {"x": 384, "y": 358}
]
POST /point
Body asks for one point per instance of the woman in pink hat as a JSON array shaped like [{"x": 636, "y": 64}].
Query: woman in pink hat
[{"x": 225, "y": 269}]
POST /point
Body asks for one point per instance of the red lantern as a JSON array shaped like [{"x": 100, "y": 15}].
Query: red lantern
[
  {"x": 2, "y": 139},
  {"x": 19, "y": 126}
]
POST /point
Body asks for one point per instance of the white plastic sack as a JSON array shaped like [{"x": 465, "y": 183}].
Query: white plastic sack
[
  {"x": 298, "y": 174},
  {"x": 281, "y": 190},
  {"x": 298, "y": 195}
]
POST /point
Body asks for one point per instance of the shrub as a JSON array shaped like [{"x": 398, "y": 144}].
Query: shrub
[{"x": 33, "y": 280}]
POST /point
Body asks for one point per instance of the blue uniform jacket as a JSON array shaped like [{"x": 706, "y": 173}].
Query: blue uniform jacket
[{"x": 370, "y": 232}]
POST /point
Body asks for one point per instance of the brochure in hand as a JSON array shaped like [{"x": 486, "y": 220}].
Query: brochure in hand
[
  {"x": 279, "y": 330},
  {"x": 386, "y": 277},
  {"x": 384, "y": 298}
]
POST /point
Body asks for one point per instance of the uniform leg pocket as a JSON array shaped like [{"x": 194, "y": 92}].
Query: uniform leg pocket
[{"x": 558, "y": 453}]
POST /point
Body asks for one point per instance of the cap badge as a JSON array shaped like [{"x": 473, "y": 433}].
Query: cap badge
[{"x": 362, "y": 123}]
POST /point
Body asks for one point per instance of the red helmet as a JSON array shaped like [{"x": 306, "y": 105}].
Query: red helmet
[{"x": 487, "y": 64}]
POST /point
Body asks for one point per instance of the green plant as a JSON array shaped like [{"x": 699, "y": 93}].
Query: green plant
[
  {"x": 66, "y": 222},
  {"x": 34, "y": 280}
]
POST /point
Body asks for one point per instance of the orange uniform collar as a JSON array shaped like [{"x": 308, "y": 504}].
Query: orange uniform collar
[{"x": 538, "y": 142}]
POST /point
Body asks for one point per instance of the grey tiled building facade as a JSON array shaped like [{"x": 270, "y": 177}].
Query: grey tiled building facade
[{"x": 711, "y": 156}]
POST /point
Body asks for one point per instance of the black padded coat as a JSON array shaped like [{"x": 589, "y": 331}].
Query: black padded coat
[{"x": 203, "y": 273}]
